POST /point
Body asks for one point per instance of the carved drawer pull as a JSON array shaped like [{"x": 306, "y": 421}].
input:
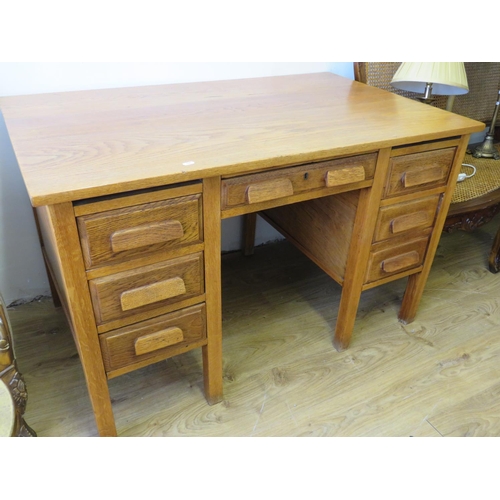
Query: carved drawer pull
[
  {"x": 149, "y": 294},
  {"x": 343, "y": 176},
  {"x": 147, "y": 234},
  {"x": 269, "y": 190},
  {"x": 158, "y": 340},
  {"x": 422, "y": 176},
  {"x": 394, "y": 264},
  {"x": 410, "y": 221}
]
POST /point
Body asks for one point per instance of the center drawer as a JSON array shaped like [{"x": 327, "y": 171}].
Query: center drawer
[
  {"x": 147, "y": 288},
  {"x": 333, "y": 175}
]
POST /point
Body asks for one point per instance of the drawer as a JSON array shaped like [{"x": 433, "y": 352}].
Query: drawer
[
  {"x": 406, "y": 217},
  {"x": 419, "y": 171},
  {"x": 154, "y": 339},
  {"x": 274, "y": 185},
  {"x": 388, "y": 259},
  {"x": 146, "y": 288},
  {"x": 125, "y": 233}
]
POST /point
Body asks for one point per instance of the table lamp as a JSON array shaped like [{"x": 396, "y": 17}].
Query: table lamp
[{"x": 432, "y": 78}]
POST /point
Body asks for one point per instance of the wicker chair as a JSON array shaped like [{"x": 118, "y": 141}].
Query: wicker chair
[{"x": 476, "y": 200}]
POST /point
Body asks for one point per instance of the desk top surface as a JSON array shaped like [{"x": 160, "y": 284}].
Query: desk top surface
[{"x": 75, "y": 145}]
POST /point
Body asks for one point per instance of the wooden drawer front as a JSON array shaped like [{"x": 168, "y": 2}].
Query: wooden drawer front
[
  {"x": 268, "y": 186},
  {"x": 154, "y": 339},
  {"x": 400, "y": 218},
  {"x": 143, "y": 289},
  {"x": 387, "y": 260},
  {"x": 418, "y": 171},
  {"x": 129, "y": 232}
]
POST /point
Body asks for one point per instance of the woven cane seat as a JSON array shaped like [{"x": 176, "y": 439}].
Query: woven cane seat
[{"x": 486, "y": 179}]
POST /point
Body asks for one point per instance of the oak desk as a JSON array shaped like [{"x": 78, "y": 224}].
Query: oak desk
[{"x": 130, "y": 185}]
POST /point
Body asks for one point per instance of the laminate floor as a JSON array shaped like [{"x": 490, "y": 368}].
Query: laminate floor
[{"x": 439, "y": 376}]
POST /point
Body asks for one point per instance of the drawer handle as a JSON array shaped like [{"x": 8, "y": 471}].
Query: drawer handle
[
  {"x": 149, "y": 294},
  {"x": 422, "y": 176},
  {"x": 269, "y": 190},
  {"x": 147, "y": 234},
  {"x": 158, "y": 340},
  {"x": 409, "y": 221},
  {"x": 343, "y": 176},
  {"x": 401, "y": 261}
]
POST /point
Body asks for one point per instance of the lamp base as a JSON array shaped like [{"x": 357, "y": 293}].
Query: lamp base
[
  {"x": 426, "y": 100},
  {"x": 487, "y": 149}
]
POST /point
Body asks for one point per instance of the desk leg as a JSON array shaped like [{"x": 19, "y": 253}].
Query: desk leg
[
  {"x": 411, "y": 298},
  {"x": 417, "y": 282},
  {"x": 249, "y": 226},
  {"x": 212, "y": 352},
  {"x": 60, "y": 237},
  {"x": 346, "y": 317},
  {"x": 359, "y": 252},
  {"x": 53, "y": 288},
  {"x": 357, "y": 263},
  {"x": 494, "y": 258}
]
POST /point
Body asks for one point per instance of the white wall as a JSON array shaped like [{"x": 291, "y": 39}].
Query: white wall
[{"x": 22, "y": 273}]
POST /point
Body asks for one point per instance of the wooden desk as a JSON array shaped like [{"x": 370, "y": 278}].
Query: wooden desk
[{"x": 130, "y": 186}]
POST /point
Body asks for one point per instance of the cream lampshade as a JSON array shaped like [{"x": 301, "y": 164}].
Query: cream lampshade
[{"x": 439, "y": 78}]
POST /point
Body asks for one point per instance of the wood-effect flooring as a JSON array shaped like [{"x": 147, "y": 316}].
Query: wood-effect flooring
[{"x": 439, "y": 376}]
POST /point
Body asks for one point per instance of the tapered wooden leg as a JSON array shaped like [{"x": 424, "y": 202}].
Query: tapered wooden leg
[
  {"x": 359, "y": 251},
  {"x": 60, "y": 237},
  {"x": 249, "y": 225},
  {"x": 411, "y": 298},
  {"x": 494, "y": 259},
  {"x": 53, "y": 287},
  {"x": 212, "y": 352},
  {"x": 348, "y": 307},
  {"x": 416, "y": 282}
]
